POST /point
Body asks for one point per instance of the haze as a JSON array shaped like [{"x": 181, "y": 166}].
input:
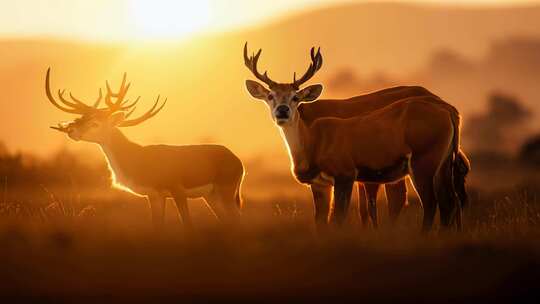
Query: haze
[
  {"x": 462, "y": 54},
  {"x": 120, "y": 20}
]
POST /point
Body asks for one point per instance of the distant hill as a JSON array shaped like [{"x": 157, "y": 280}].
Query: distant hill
[
  {"x": 395, "y": 37},
  {"x": 203, "y": 77}
]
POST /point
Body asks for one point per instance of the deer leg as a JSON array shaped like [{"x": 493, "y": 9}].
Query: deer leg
[
  {"x": 449, "y": 204},
  {"x": 217, "y": 205},
  {"x": 424, "y": 187},
  {"x": 396, "y": 195},
  {"x": 342, "y": 198},
  {"x": 371, "y": 194},
  {"x": 157, "y": 208},
  {"x": 459, "y": 216},
  {"x": 423, "y": 174},
  {"x": 363, "y": 205},
  {"x": 227, "y": 197},
  {"x": 181, "y": 204},
  {"x": 322, "y": 196},
  {"x": 214, "y": 203}
]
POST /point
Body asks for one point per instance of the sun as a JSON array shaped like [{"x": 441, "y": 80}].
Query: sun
[{"x": 169, "y": 19}]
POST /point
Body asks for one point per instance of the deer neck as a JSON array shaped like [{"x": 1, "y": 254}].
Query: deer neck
[
  {"x": 297, "y": 139},
  {"x": 118, "y": 150}
]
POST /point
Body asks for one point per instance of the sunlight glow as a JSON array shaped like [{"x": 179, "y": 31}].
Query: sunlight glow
[
  {"x": 168, "y": 19},
  {"x": 114, "y": 181}
]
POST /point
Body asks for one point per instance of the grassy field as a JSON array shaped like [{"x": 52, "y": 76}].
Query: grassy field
[
  {"x": 65, "y": 236},
  {"x": 108, "y": 251}
]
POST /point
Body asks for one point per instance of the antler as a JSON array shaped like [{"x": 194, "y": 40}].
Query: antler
[
  {"x": 120, "y": 104},
  {"x": 251, "y": 64},
  {"x": 96, "y": 103},
  {"x": 314, "y": 66},
  {"x": 149, "y": 114},
  {"x": 123, "y": 105},
  {"x": 75, "y": 107}
]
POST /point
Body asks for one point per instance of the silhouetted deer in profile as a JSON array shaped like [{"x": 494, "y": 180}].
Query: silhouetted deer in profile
[{"x": 158, "y": 171}]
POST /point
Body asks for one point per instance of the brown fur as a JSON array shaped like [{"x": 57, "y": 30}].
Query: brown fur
[
  {"x": 299, "y": 115},
  {"x": 359, "y": 105},
  {"x": 417, "y": 129}
]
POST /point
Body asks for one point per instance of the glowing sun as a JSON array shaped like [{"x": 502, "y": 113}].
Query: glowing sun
[{"x": 164, "y": 19}]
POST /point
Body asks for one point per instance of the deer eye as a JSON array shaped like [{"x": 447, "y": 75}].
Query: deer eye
[
  {"x": 270, "y": 97},
  {"x": 296, "y": 98}
]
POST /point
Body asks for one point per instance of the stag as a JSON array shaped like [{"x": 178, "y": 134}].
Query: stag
[
  {"x": 157, "y": 172},
  {"x": 297, "y": 113}
]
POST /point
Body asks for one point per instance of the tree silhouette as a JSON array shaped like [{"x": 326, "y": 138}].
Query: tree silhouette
[{"x": 500, "y": 127}]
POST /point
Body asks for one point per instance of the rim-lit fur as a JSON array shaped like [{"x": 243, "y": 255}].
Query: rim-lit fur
[{"x": 212, "y": 172}]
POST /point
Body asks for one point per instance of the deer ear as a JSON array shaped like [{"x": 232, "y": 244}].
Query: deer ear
[
  {"x": 256, "y": 89},
  {"x": 116, "y": 118},
  {"x": 310, "y": 93}
]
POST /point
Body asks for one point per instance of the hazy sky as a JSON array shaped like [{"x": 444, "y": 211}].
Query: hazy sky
[{"x": 127, "y": 19}]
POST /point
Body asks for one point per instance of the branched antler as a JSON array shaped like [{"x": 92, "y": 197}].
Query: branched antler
[
  {"x": 251, "y": 64},
  {"x": 76, "y": 106},
  {"x": 149, "y": 114},
  {"x": 314, "y": 66}
]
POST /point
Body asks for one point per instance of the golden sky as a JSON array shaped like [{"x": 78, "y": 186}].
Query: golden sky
[
  {"x": 186, "y": 70},
  {"x": 150, "y": 19}
]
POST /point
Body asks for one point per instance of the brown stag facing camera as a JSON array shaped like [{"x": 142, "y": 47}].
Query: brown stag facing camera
[
  {"x": 212, "y": 172},
  {"x": 376, "y": 138}
]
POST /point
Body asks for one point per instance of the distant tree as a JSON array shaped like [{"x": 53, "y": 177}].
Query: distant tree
[
  {"x": 343, "y": 80},
  {"x": 500, "y": 128},
  {"x": 530, "y": 151},
  {"x": 347, "y": 82},
  {"x": 3, "y": 149},
  {"x": 517, "y": 55},
  {"x": 449, "y": 62}
]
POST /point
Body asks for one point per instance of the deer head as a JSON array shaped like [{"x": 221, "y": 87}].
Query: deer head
[
  {"x": 283, "y": 98},
  {"x": 95, "y": 123}
]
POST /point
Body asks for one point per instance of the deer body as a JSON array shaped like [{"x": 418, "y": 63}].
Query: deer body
[
  {"x": 396, "y": 192},
  {"x": 375, "y": 138},
  {"x": 358, "y": 105},
  {"x": 331, "y": 152},
  {"x": 327, "y": 152},
  {"x": 193, "y": 169},
  {"x": 157, "y": 171}
]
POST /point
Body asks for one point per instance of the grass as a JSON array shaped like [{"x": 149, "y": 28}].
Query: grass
[
  {"x": 87, "y": 243},
  {"x": 69, "y": 251}
]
